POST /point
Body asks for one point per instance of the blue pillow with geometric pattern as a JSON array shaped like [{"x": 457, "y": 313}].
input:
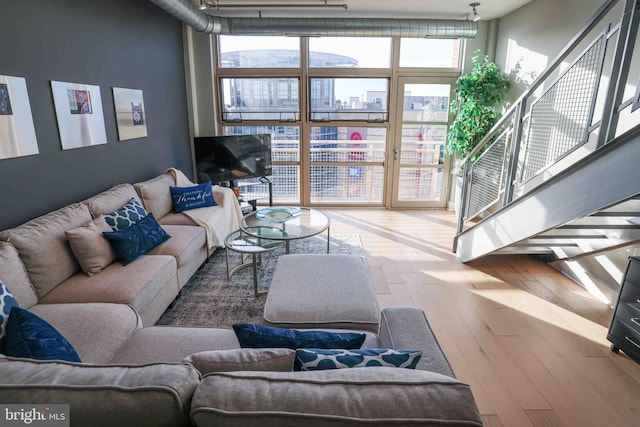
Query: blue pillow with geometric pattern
[
  {"x": 137, "y": 239},
  {"x": 127, "y": 215},
  {"x": 7, "y": 302},
  {"x": 33, "y": 337},
  {"x": 320, "y": 359}
]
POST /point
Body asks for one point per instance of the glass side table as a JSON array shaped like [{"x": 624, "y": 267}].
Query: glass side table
[{"x": 246, "y": 244}]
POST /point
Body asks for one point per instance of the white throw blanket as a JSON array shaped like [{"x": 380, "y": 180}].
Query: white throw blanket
[{"x": 218, "y": 221}]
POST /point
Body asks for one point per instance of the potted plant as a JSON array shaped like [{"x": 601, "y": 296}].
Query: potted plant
[{"x": 478, "y": 94}]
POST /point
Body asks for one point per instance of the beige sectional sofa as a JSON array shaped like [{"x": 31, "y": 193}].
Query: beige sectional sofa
[
  {"x": 136, "y": 374},
  {"x": 151, "y": 283}
]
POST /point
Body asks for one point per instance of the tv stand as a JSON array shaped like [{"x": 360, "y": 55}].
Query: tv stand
[{"x": 253, "y": 190}]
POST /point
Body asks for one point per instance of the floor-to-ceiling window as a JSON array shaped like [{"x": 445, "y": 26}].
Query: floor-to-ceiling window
[{"x": 335, "y": 109}]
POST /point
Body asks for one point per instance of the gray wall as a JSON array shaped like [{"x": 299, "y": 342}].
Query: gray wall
[
  {"x": 533, "y": 35},
  {"x": 122, "y": 43}
]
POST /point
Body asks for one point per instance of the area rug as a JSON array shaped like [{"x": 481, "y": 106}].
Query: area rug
[{"x": 211, "y": 299}]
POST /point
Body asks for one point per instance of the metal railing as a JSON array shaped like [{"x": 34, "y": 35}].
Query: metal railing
[{"x": 565, "y": 114}]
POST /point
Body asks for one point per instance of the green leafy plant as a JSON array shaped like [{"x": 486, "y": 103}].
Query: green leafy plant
[{"x": 478, "y": 94}]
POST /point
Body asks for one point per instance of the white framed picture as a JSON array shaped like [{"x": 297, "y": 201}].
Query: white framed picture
[
  {"x": 79, "y": 112},
  {"x": 17, "y": 133},
  {"x": 130, "y": 113}
]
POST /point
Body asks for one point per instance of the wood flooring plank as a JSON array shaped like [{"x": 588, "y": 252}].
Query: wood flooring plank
[
  {"x": 379, "y": 280},
  {"x": 562, "y": 402},
  {"x": 542, "y": 418},
  {"x": 512, "y": 313},
  {"x": 438, "y": 318},
  {"x": 520, "y": 384},
  {"x": 561, "y": 360},
  {"x": 491, "y": 420},
  {"x": 503, "y": 400}
]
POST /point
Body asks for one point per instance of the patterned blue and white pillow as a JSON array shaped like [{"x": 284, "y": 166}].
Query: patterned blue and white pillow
[
  {"x": 7, "y": 301},
  {"x": 127, "y": 215},
  {"x": 319, "y": 359}
]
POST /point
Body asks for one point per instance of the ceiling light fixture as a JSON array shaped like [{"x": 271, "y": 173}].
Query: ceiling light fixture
[
  {"x": 204, "y": 4},
  {"x": 473, "y": 5}
]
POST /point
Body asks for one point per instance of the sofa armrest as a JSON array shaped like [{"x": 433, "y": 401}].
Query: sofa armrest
[
  {"x": 407, "y": 328},
  {"x": 103, "y": 395}
]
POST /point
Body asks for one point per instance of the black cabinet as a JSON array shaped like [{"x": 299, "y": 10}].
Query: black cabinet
[{"x": 624, "y": 332}]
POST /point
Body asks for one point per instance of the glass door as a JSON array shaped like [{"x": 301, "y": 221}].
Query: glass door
[{"x": 420, "y": 170}]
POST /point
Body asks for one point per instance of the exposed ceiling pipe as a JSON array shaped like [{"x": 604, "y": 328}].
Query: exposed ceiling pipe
[{"x": 188, "y": 13}]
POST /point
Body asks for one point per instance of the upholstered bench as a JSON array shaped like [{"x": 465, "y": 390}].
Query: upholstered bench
[{"x": 322, "y": 291}]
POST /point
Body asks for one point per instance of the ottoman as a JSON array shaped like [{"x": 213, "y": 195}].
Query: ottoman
[{"x": 322, "y": 291}]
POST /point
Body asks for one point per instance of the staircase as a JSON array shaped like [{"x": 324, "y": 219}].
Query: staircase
[{"x": 559, "y": 175}]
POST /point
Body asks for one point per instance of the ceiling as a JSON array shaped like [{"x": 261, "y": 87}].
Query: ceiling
[{"x": 417, "y": 9}]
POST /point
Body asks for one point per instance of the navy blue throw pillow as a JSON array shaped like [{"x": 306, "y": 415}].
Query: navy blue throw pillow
[
  {"x": 32, "y": 337},
  {"x": 198, "y": 196},
  {"x": 137, "y": 239},
  {"x": 259, "y": 336}
]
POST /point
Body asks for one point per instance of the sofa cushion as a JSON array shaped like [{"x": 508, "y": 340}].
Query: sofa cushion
[
  {"x": 90, "y": 247},
  {"x": 149, "y": 280},
  {"x": 43, "y": 246},
  {"x": 345, "y": 397},
  {"x": 14, "y": 275},
  {"x": 126, "y": 216},
  {"x": 111, "y": 199},
  {"x": 155, "y": 194},
  {"x": 319, "y": 359},
  {"x": 137, "y": 239},
  {"x": 81, "y": 324},
  {"x": 176, "y": 219},
  {"x": 187, "y": 198},
  {"x": 243, "y": 359},
  {"x": 171, "y": 344},
  {"x": 31, "y": 337},
  {"x": 102, "y": 396},
  {"x": 185, "y": 241},
  {"x": 259, "y": 336},
  {"x": 7, "y": 302}
]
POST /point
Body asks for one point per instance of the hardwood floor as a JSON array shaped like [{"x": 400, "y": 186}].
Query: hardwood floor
[{"x": 530, "y": 342}]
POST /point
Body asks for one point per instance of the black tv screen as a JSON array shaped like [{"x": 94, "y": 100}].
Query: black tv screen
[{"x": 227, "y": 158}]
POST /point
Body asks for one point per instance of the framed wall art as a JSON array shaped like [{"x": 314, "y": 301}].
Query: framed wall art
[
  {"x": 17, "y": 133},
  {"x": 79, "y": 113},
  {"x": 130, "y": 113}
]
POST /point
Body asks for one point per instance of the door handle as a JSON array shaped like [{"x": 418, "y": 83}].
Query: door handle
[{"x": 396, "y": 154}]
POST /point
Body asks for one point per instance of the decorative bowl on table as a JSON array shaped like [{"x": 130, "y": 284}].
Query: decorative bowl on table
[{"x": 277, "y": 213}]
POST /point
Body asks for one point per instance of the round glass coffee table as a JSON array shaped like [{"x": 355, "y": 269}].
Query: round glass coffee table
[
  {"x": 245, "y": 244},
  {"x": 284, "y": 223}
]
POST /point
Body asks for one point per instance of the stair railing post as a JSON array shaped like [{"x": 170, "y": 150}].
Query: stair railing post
[
  {"x": 514, "y": 152},
  {"x": 462, "y": 211},
  {"x": 619, "y": 70}
]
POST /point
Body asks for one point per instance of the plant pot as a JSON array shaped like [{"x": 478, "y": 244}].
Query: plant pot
[{"x": 457, "y": 198}]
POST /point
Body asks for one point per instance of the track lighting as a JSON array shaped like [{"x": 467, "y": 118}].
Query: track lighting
[
  {"x": 473, "y": 5},
  {"x": 322, "y": 4}
]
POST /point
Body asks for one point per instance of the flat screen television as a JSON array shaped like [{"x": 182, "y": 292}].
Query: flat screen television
[{"x": 227, "y": 158}]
